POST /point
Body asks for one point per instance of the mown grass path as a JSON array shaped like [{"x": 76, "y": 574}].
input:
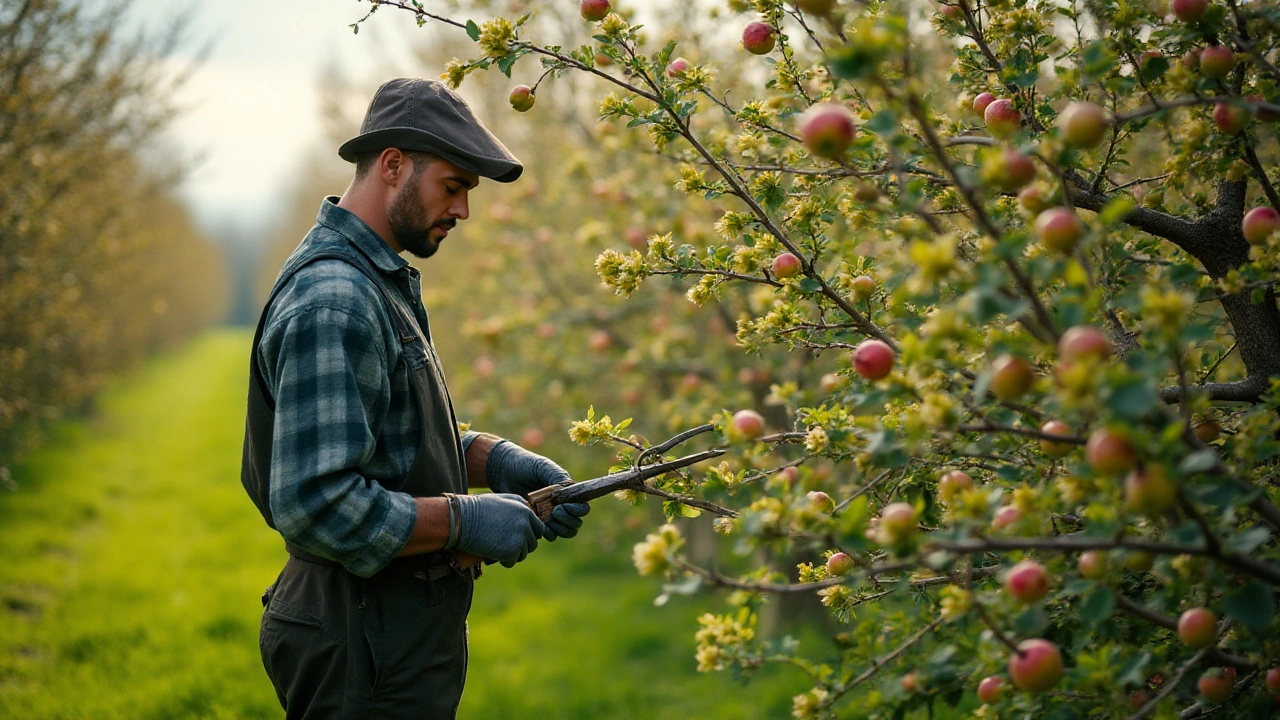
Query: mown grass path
[{"x": 133, "y": 564}]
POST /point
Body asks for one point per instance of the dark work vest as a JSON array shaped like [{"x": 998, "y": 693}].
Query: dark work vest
[{"x": 438, "y": 467}]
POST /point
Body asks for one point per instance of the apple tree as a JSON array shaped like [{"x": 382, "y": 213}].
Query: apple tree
[{"x": 1038, "y": 242}]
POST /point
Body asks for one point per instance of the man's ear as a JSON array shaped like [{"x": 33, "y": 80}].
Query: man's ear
[{"x": 392, "y": 166}]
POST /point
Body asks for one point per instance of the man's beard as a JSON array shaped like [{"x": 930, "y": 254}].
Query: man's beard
[{"x": 410, "y": 225}]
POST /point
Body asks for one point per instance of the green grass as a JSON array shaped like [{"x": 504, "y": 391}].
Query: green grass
[{"x": 133, "y": 566}]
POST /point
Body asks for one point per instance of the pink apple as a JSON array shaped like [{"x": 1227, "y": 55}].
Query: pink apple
[
  {"x": 953, "y": 483},
  {"x": 864, "y": 286},
  {"x": 821, "y": 500},
  {"x": 1259, "y": 223},
  {"x": 873, "y": 359},
  {"x": 1149, "y": 490},
  {"x": 1002, "y": 118},
  {"x": 830, "y": 382},
  {"x": 677, "y": 67},
  {"x": 1109, "y": 452},
  {"x": 746, "y": 425},
  {"x": 1216, "y": 61},
  {"x": 758, "y": 38},
  {"x": 1218, "y": 684},
  {"x": 990, "y": 689},
  {"x": 1273, "y": 680},
  {"x": 1230, "y": 119},
  {"x": 599, "y": 341},
  {"x": 897, "y": 521},
  {"x": 1027, "y": 582},
  {"x": 1011, "y": 377},
  {"x": 594, "y": 10},
  {"x": 522, "y": 98},
  {"x": 981, "y": 102},
  {"x": 1032, "y": 200},
  {"x": 786, "y": 265},
  {"x": 1189, "y": 10},
  {"x": 1083, "y": 341},
  {"x": 910, "y": 682},
  {"x": 1083, "y": 124},
  {"x": 1006, "y": 516},
  {"x": 1092, "y": 564},
  {"x": 1055, "y": 448},
  {"x": 1036, "y": 667},
  {"x": 1197, "y": 628},
  {"x": 1059, "y": 229},
  {"x": 827, "y": 129},
  {"x": 839, "y": 564},
  {"x": 1009, "y": 170}
]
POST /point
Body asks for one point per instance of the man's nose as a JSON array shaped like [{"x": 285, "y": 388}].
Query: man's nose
[{"x": 461, "y": 209}]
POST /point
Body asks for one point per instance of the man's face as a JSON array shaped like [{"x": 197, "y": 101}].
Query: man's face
[{"x": 429, "y": 204}]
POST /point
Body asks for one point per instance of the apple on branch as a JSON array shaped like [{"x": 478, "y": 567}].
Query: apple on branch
[
  {"x": 1197, "y": 628},
  {"x": 1083, "y": 124},
  {"x": 827, "y": 129},
  {"x": 1216, "y": 61},
  {"x": 1059, "y": 229},
  {"x": 745, "y": 426},
  {"x": 1002, "y": 118},
  {"x": 990, "y": 689},
  {"x": 873, "y": 359},
  {"x": 594, "y": 10},
  {"x": 786, "y": 265},
  {"x": 1036, "y": 666},
  {"x": 1218, "y": 684},
  {"x": 1109, "y": 452},
  {"x": 522, "y": 98},
  {"x": 1027, "y": 581},
  {"x": 1259, "y": 224},
  {"x": 1055, "y": 448},
  {"x": 758, "y": 38}
]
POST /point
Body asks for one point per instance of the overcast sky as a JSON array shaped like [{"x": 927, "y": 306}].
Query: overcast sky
[{"x": 251, "y": 107}]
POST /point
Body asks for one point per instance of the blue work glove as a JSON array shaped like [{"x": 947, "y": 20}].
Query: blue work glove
[
  {"x": 497, "y": 526},
  {"x": 512, "y": 469}
]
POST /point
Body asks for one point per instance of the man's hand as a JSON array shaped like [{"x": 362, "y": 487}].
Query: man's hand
[
  {"x": 497, "y": 526},
  {"x": 512, "y": 469}
]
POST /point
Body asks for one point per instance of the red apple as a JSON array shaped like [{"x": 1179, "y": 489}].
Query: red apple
[
  {"x": 897, "y": 521},
  {"x": 839, "y": 564},
  {"x": 1092, "y": 564},
  {"x": 758, "y": 38},
  {"x": 532, "y": 438},
  {"x": 1009, "y": 170},
  {"x": 981, "y": 102},
  {"x": 990, "y": 689},
  {"x": 1055, "y": 448},
  {"x": 599, "y": 341},
  {"x": 830, "y": 382},
  {"x": 1217, "y": 60},
  {"x": 1259, "y": 223},
  {"x": 1207, "y": 430},
  {"x": 1197, "y": 628},
  {"x": 952, "y": 483},
  {"x": 827, "y": 129},
  {"x": 821, "y": 500},
  {"x": 786, "y": 265},
  {"x": 522, "y": 98},
  {"x": 1027, "y": 582},
  {"x": 1036, "y": 667},
  {"x": 1189, "y": 10},
  {"x": 1109, "y": 452},
  {"x": 746, "y": 425},
  {"x": 789, "y": 475},
  {"x": 873, "y": 359},
  {"x": 1273, "y": 680},
  {"x": 1002, "y": 118},
  {"x": 1032, "y": 200},
  {"x": 1218, "y": 684},
  {"x": 952, "y": 12},
  {"x": 594, "y": 10},
  {"x": 1083, "y": 341},
  {"x": 1006, "y": 516},
  {"x": 1149, "y": 490},
  {"x": 677, "y": 67},
  {"x": 864, "y": 286},
  {"x": 1083, "y": 124},
  {"x": 1011, "y": 377},
  {"x": 1059, "y": 229},
  {"x": 1230, "y": 119},
  {"x": 910, "y": 682}
]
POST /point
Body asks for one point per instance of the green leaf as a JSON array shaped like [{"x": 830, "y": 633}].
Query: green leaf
[
  {"x": 473, "y": 31},
  {"x": 1199, "y": 461},
  {"x": 884, "y": 122},
  {"x": 810, "y": 285},
  {"x": 1031, "y": 622},
  {"x": 1252, "y": 605},
  {"x": 1116, "y": 210},
  {"x": 1246, "y": 541},
  {"x": 1096, "y": 606},
  {"x": 1133, "y": 398}
]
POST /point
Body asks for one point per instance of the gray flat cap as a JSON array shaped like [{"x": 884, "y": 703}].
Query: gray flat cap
[{"x": 427, "y": 116}]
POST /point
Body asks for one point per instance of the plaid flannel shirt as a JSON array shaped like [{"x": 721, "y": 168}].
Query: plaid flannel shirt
[{"x": 345, "y": 416}]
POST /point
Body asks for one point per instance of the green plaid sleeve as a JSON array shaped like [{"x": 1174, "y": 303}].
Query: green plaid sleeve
[{"x": 328, "y": 371}]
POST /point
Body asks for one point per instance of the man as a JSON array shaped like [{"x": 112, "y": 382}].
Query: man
[{"x": 352, "y": 451}]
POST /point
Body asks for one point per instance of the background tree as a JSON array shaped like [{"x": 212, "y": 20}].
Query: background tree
[
  {"x": 101, "y": 265},
  {"x": 1037, "y": 242}
]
